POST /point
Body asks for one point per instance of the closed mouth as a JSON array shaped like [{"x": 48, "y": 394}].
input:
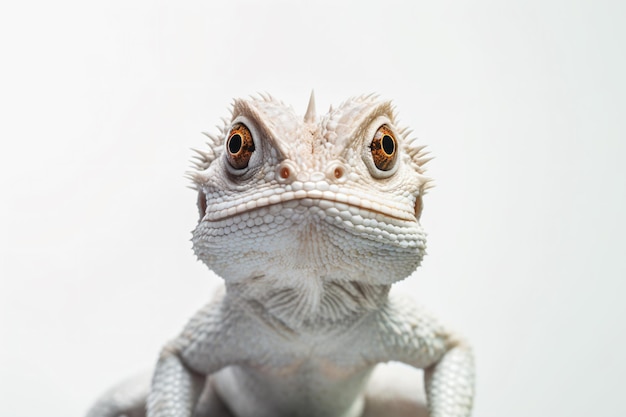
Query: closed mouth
[{"x": 322, "y": 200}]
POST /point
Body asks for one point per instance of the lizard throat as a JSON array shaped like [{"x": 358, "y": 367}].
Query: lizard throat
[{"x": 309, "y": 301}]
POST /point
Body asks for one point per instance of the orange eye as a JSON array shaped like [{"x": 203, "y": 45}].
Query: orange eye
[
  {"x": 384, "y": 148},
  {"x": 239, "y": 146}
]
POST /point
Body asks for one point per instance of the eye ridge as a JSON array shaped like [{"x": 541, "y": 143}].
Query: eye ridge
[
  {"x": 239, "y": 146},
  {"x": 383, "y": 148}
]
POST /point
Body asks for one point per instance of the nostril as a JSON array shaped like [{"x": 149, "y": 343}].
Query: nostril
[
  {"x": 287, "y": 172},
  {"x": 201, "y": 204},
  {"x": 337, "y": 172}
]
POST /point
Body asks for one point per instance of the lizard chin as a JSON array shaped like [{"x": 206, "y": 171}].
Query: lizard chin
[{"x": 311, "y": 241}]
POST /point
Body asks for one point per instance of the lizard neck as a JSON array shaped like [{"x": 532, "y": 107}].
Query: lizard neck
[{"x": 310, "y": 301}]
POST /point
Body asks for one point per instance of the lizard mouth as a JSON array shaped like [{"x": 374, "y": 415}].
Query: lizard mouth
[
  {"x": 202, "y": 204},
  {"x": 332, "y": 203}
]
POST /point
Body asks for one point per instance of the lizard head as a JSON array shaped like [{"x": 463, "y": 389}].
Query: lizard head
[{"x": 331, "y": 198}]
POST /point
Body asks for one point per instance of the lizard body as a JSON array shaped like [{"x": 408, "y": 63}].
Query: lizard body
[{"x": 309, "y": 221}]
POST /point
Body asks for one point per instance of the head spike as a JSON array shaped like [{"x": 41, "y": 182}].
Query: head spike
[
  {"x": 309, "y": 116},
  {"x": 423, "y": 160},
  {"x": 428, "y": 184},
  {"x": 416, "y": 151}
]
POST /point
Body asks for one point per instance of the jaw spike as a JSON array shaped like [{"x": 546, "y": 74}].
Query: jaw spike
[{"x": 309, "y": 116}]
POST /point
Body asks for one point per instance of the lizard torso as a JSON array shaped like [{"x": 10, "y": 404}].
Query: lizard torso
[{"x": 309, "y": 371}]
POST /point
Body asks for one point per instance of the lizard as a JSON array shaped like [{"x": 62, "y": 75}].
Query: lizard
[{"x": 309, "y": 221}]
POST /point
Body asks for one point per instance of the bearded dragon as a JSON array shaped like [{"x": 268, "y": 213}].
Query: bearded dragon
[{"x": 309, "y": 221}]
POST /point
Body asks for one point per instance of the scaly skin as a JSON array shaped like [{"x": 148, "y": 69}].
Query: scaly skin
[{"x": 308, "y": 221}]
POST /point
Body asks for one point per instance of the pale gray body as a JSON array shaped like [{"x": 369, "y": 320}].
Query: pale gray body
[{"x": 309, "y": 221}]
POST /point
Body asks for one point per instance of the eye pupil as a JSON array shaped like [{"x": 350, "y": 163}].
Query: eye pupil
[
  {"x": 239, "y": 146},
  {"x": 235, "y": 143},
  {"x": 388, "y": 144},
  {"x": 384, "y": 148}
]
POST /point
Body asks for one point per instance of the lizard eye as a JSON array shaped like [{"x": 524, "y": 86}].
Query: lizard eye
[
  {"x": 384, "y": 148},
  {"x": 239, "y": 146}
]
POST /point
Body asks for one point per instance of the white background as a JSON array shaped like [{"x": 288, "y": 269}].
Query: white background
[{"x": 523, "y": 106}]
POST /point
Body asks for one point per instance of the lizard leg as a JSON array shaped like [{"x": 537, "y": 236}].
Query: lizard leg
[
  {"x": 129, "y": 398},
  {"x": 125, "y": 399},
  {"x": 209, "y": 342},
  {"x": 175, "y": 388},
  {"x": 408, "y": 334},
  {"x": 450, "y": 383}
]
